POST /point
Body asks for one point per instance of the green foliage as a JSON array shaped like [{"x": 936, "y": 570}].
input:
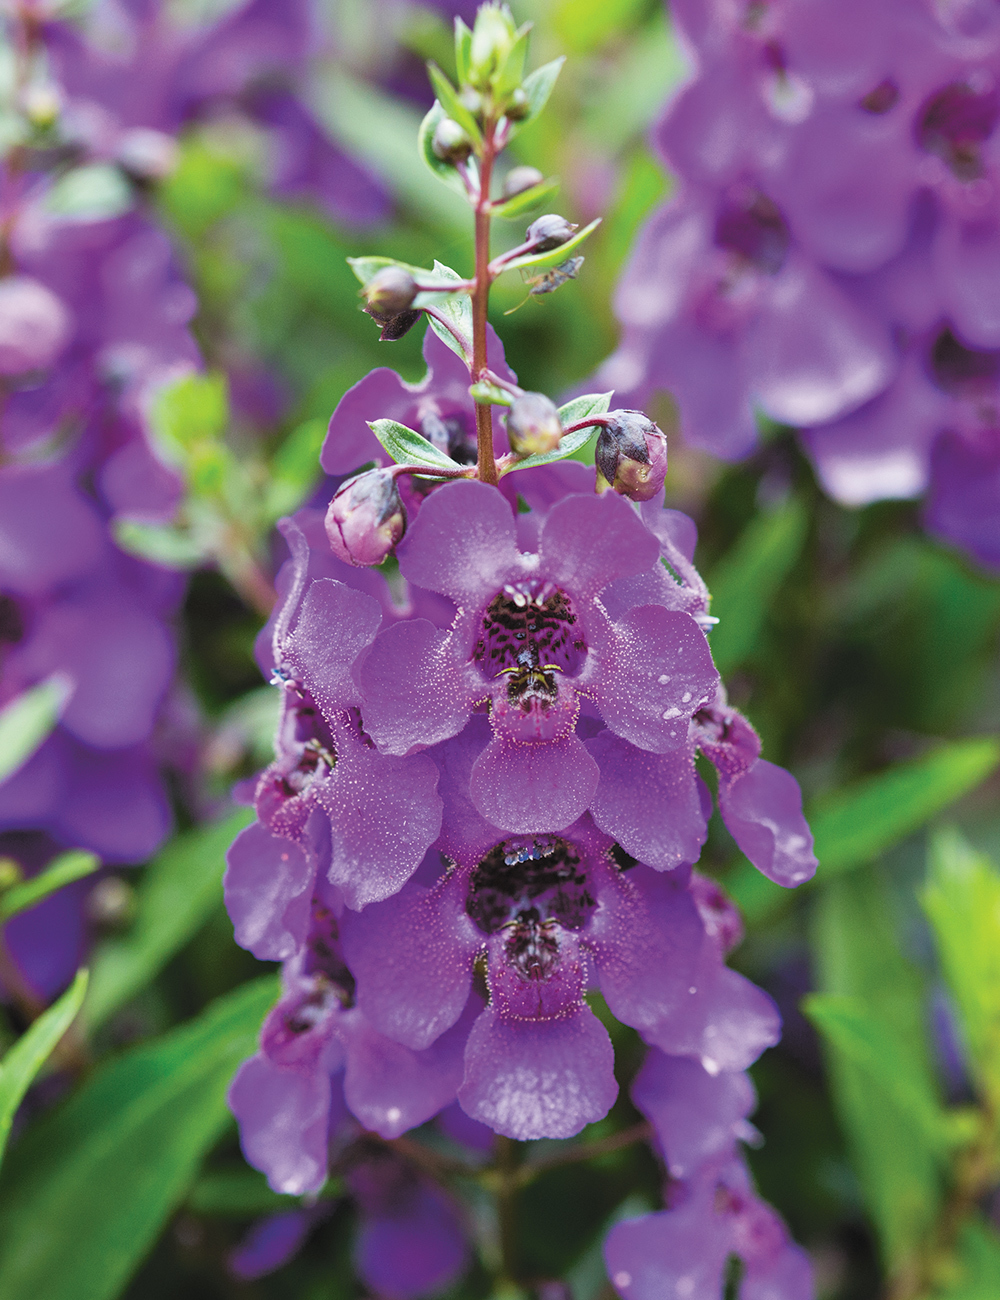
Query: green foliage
[
  {"x": 444, "y": 171},
  {"x": 456, "y": 309},
  {"x": 453, "y": 107},
  {"x": 570, "y": 443},
  {"x": 525, "y": 201},
  {"x": 407, "y": 447},
  {"x": 89, "y": 1187},
  {"x": 538, "y": 261},
  {"x": 871, "y": 1013},
  {"x": 746, "y": 581},
  {"x": 67, "y": 867},
  {"x": 975, "y": 1274},
  {"x": 180, "y": 888},
  {"x": 962, "y": 900},
  {"x": 28, "y": 719},
  {"x": 22, "y": 1062}
]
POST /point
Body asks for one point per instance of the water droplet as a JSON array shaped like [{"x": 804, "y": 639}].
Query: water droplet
[
  {"x": 622, "y": 1280},
  {"x": 663, "y": 678}
]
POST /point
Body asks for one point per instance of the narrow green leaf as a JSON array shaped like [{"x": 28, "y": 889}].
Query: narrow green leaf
[
  {"x": 456, "y": 308},
  {"x": 63, "y": 870},
  {"x": 365, "y": 268},
  {"x": 578, "y": 409},
  {"x": 526, "y": 200},
  {"x": 28, "y": 720},
  {"x": 878, "y": 1008},
  {"x": 745, "y": 582},
  {"x": 444, "y": 171},
  {"x": 407, "y": 447},
  {"x": 463, "y": 47},
  {"x": 538, "y": 86},
  {"x": 88, "y": 1188},
  {"x": 241, "y": 1193},
  {"x": 962, "y": 900},
  {"x": 163, "y": 544},
  {"x": 511, "y": 74},
  {"x": 976, "y": 1272},
  {"x": 20, "y": 1065},
  {"x": 178, "y": 891},
  {"x": 454, "y": 108},
  {"x": 557, "y": 255},
  {"x": 854, "y": 825},
  {"x": 295, "y": 468}
]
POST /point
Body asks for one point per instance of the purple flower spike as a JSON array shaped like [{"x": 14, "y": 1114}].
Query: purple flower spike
[{"x": 697, "y": 1116}]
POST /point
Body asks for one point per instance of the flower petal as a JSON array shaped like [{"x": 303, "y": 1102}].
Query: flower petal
[
  {"x": 267, "y": 888},
  {"x": 763, "y": 811},
  {"x": 533, "y": 787}
]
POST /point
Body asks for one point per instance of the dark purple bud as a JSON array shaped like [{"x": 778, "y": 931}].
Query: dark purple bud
[
  {"x": 450, "y": 142},
  {"x": 533, "y": 424},
  {"x": 394, "y": 327},
  {"x": 549, "y": 232},
  {"x": 632, "y": 455},
  {"x": 518, "y": 105},
  {"x": 519, "y": 179},
  {"x": 366, "y": 519},
  {"x": 389, "y": 292}
]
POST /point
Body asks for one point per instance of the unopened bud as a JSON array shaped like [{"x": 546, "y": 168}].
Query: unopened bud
[
  {"x": 389, "y": 292},
  {"x": 34, "y": 325},
  {"x": 533, "y": 424},
  {"x": 518, "y": 105},
  {"x": 450, "y": 143},
  {"x": 519, "y": 179},
  {"x": 549, "y": 232},
  {"x": 366, "y": 519},
  {"x": 493, "y": 35},
  {"x": 472, "y": 100},
  {"x": 632, "y": 455}
]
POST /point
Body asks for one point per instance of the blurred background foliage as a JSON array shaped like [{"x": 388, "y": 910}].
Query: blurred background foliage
[{"x": 865, "y": 654}]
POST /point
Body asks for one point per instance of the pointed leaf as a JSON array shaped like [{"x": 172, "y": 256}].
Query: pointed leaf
[
  {"x": 463, "y": 48},
  {"x": 538, "y": 86},
  {"x": 456, "y": 308},
  {"x": 23, "y": 1061},
  {"x": 178, "y": 891},
  {"x": 89, "y": 1187},
  {"x": 407, "y": 447},
  {"x": 29, "y": 719},
  {"x": 526, "y": 200},
  {"x": 454, "y": 108},
  {"x": 67, "y": 867},
  {"x": 557, "y": 255},
  {"x": 962, "y": 900},
  {"x": 444, "y": 171},
  {"x": 511, "y": 75}
]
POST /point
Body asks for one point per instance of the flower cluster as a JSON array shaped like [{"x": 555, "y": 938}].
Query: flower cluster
[
  {"x": 94, "y": 321},
  {"x": 484, "y": 807},
  {"x": 832, "y": 258}
]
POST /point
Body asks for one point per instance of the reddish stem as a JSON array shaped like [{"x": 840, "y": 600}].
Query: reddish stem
[{"x": 486, "y": 463}]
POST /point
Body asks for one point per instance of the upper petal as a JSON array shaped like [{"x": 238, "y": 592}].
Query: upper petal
[
  {"x": 335, "y": 624},
  {"x": 461, "y": 544},
  {"x": 588, "y": 541}
]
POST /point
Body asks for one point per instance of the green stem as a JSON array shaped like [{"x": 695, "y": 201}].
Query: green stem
[
  {"x": 507, "y": 1172},
  {"x": 486, "y": 463}
]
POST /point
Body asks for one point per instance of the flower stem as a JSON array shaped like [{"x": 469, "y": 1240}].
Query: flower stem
[
  {"x": 506, "y": 1167},
  {"x": 486, "y": 464}
]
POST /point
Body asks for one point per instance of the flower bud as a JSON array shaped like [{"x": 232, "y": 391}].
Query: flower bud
[
  {"x": 533, "y": 424},
  {"x": 549, "y": 232},
  {"x": 472, "y": 100},
  {"x": 632, "y": 455},
  {"x": 365, "y": 519},
  {"x": 493, "y": 37},
  {"x": 389, "y": 292},
  {"x": 519, "y": 179},
  {"x": 34, "y": 325},
  {"x": 518, "y": 105},
  {"x": 450, "y": 143}
]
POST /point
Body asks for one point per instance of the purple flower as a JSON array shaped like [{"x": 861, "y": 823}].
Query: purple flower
[
  {"x": 34, "y": 325},
  {"x": 366, "y": 818},
  {"x": 681, "y": 1253},
  {"x": 532, "y": 636},
  {"x": 272, "y": 1242}
]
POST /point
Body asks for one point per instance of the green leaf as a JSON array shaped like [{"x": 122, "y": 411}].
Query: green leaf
[
  {"x": 854, "y": 825},
  {"x": 463, "y": 48},
  {"x": 242, "y": 1193},
  {"x": 745, "y": 582},
  {"x": 407, "y": 447},
  {"x": 538, "y": 86},
  {"x": 444, "y": 171},
  {"x": 455, "y": 308},
  {"x": 578, "y": 409},
  {"x": 557, "y": 255},
  {"x": 454, "y": 108},
  {"x": 28, "y": 720},
  {"x": 365, "y": 268},
  {"x": 295, "y": 468},
  {"x": 178, "y": 891},
  {"x": 585, "y": 25},
  {"x": 975, "y": 1274},
  {"x": 510, "y": 75},
  {"x": 886, "y": 1106},
  {"x": 23, "y": 1061},
  {"x": 67, "y": 867},
  {"x": 962, "y": 900},
  {"x": 88, "y": 1188},
  {"x": 526, "y": 200},
  {"x": 489, "y": 395},
  {"x": 188, "y": 414},
  {"x": 163, "y": 544}
]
